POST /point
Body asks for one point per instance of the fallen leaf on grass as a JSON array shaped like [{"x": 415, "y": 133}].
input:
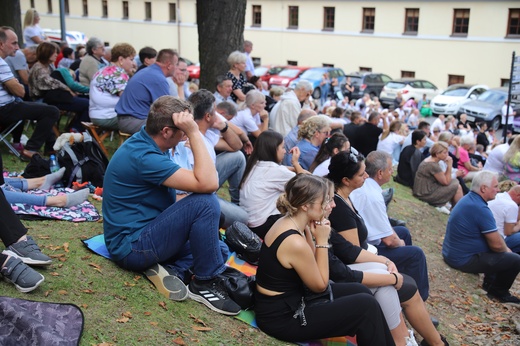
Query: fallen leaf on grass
[
  {"x": 84, "y": 258},
  {"x": 154, "y": 323},
  {"x": 163, "y": 305},
  {"x": 89, "y": 291},
  {"x": 178, "y": 341},
  {"x": 84, "y": 306},
  {"x": 128, "y": 284},
  {"x": 147, "y": 313},
  {"x": 201, "y": 329},
  {"x": 46, "y": 294},
  {"x": 198, "y": 320},
  {"x": 105, "y": 344},
  {"x": 137, "y": 277},
  {"x": 58, "y": 255},
  {"x": 63, "y": 292},
  {"x": 127, "y": 314},
  {"x": 43, "y": 237},
  {"x": 62, "y": 259},
  {"x": 53, "y": 247},
  {"x": 55, "y": 274},
  {"x": 172, "y": 331},
  {"x": 96, "y": 266},
  {"x": 66, "y": 247},
  {"x": 122, "y": 319}
]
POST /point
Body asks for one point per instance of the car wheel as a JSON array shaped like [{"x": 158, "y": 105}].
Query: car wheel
[
  {"x": 495, "y": 123},
  {"x": 316, "y": 94}
]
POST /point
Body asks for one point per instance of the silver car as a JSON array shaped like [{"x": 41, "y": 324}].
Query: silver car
[
  {"x": 454, "y": 97},
  {"x": 487, "y": 107}
]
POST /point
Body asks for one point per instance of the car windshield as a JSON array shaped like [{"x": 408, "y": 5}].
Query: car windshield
[
  {"x": 456, "y": 91},
  {"x": 313, "y": 74},
  {"x": 395, "y": 85},
  {"x": 289, "y": 72},
  {"x": 493, "y": 97},
  {"x": 260, "y": 71},
  {"x": 355, "y": 80},
  {"x": 275, "y": 70}
]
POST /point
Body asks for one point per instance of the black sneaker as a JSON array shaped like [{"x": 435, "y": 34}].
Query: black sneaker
[
  {"x": 28, "y": 251},
  {"x": 168, "y": 285},
  {"x": 24, "y": 278},
  {"x": 212, "y": 293},
  {"x": 503, "y": 298}
]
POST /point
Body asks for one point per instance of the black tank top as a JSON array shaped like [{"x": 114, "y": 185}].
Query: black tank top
[{"x": 271, "y": 274}]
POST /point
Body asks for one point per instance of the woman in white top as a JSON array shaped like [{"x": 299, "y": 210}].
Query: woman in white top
[
  {"x": 264, "y": 180},
  {"x": 252, "y": 117},
  {"x": 32, "y": 33},
  {"x": 108, "y": 84},
  {"x": 390, "y": 141}
]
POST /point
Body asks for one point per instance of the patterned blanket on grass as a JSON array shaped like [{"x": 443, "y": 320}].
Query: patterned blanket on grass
[
  {"x": 97, "y": 245},
  {"x": 85, "y": 211},
  {"x": 25, "y": 322}
]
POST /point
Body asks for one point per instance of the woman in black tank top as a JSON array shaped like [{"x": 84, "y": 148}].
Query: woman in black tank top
[{"x": 294, "y": 258}]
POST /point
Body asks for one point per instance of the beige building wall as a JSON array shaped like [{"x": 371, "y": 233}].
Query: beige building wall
[{"x": 484, "y": 56}]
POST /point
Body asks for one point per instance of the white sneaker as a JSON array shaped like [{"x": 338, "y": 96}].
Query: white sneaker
[
  {"x": 410, "y": 340},
  {"x": 443, "y": 210}
]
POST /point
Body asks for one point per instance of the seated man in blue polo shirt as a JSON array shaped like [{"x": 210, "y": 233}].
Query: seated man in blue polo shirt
[
  {"x": 473, "y": 244},
  {"x": 147, "y": 230}
]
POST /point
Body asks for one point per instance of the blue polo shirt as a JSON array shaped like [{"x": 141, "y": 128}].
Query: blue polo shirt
[
  {"x": 469, "y": 220},
  {"x": 141, "y": 91},
  {"x": 133, "y": 194},
  {"x": 308, "y": 152}
]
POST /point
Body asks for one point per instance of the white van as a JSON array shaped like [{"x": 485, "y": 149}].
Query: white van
[{"x": 73, "y": 37}]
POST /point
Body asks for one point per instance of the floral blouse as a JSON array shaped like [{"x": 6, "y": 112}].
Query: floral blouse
[
  {"x": 111, "y": 79},
  {"x": 40, "y": 80}
]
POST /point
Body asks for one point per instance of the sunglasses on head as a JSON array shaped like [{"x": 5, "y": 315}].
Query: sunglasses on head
[{"x": 354, "y": 155}]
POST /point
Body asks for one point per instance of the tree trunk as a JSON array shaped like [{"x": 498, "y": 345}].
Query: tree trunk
[
  {"x": 221, "y": 28},
  {"x": 10, "y": 15}
]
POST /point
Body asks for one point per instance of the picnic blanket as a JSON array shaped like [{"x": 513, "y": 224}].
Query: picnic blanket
[
  {"x": 97, "y": 245},
  {"x": 85, "y": 211},
  {"x": 26, "y": 322}
]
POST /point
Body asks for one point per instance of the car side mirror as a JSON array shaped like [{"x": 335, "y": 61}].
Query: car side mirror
[{"x": 473, "y": 96}]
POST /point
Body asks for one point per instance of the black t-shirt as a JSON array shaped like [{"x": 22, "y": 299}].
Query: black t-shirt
[
  {"x": 482, "y": 139},
  {"x": 366, "y": 138},
  {"x": 343, "y": 218},
  {"x": 409, "y": 161}
]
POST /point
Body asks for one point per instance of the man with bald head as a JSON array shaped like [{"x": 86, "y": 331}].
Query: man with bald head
[{"x": 505, "y": 211}]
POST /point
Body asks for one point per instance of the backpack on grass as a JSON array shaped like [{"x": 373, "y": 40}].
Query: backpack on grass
[{"x": 83, "y": 161}]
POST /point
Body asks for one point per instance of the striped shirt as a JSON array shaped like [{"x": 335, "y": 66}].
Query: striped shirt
[{"x": 5, "y": 75}]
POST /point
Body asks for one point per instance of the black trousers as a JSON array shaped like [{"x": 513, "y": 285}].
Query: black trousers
[
  {"x": 500, "y": 269},
  {"x": 11, "y": 229},
  {"x": 46, "y": 116},
  {"x": 354, "y": 311}
]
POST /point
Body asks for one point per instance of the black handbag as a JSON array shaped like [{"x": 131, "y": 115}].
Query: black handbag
[
  {"x": 244, "y": 242},
  {"x": 239, "y": 286}
]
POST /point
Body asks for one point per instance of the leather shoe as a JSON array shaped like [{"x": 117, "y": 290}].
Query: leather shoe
[
  {"x": 396, "y": 222},
  {"x": 503, "y": 298},
  {"x": 26, "y": 155}
]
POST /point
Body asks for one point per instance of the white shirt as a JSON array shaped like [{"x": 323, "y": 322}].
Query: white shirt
[
  {"x": 284, "y": 115},
  {"x": 495, "y": 160},
  {"x": 510, "y": 118},
  {"x": 369, "y": 202},
  {"x": 322, "y": 169},
  {"x": 259, "y": 193},
  {"x": 438, "y": 124},
  {"x": 390, "y": 143},
  {"x": 504, "y": 211},
  {"x": 246, "y": 121}
]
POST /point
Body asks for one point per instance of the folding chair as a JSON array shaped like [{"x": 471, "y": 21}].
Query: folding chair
[
  {"x": 6, "y": 132},
  {"x": 92, "y": 129}
]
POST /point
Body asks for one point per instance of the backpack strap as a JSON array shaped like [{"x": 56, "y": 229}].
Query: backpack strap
[{"x": 77, "y": 165}]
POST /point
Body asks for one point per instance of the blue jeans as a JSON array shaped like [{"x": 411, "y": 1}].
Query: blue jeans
[
  {"x": 231, "y": 213},
  {"x": 20, "y": 196},
  {"x": 230, "y": 166},
  {"x": 409, "y": 260},
  {"x": 183, "y": 236},
  {"x": 513, "y": 242}
]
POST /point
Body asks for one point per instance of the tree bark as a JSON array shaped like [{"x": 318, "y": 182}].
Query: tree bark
[
  {"x": 10, "y": 15},
  {"x": 221, "y": 27}
]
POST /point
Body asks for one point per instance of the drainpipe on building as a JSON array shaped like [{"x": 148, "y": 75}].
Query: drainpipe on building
[{"x": 62, "y": 21}]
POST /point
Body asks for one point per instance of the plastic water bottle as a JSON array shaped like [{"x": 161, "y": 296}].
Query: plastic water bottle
[{"x": 53, "y": 164}]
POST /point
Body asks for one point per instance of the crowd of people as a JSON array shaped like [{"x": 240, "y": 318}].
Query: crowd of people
[{"x": 305, "y": 175}]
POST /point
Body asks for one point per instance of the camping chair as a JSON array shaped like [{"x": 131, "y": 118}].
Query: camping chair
[
  {"x": 92, "y": 129},
  {"x": 6, "y": 132}
]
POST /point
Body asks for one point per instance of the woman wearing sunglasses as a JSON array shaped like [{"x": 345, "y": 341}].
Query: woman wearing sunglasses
[
  {"x": 294, "y": 255},
  {"x": 349, "y": 239}
]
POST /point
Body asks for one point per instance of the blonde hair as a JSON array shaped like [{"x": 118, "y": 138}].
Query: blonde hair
[
  {"x": 312, "y": 125},
  {"x": 300, "y": 190},
  {"x": 513, "y": 149},
  {"x": 29, "y": 17},
  {"x": 438, "y": 148}
]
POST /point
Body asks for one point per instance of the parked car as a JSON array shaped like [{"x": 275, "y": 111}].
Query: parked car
[
  {"x": 287, "y": 75},
  {"x": 194, "y": 71},
  {"x": 366, "y": 83},
  {"x": 487, "y": 107},
  {"x": 409, "y": 87},
  {"x": 454, "y": 97},
  {"x": 73, "y": 37},
  {"x": 315, "y": 76},
  {"x": 266, "y": 72}
]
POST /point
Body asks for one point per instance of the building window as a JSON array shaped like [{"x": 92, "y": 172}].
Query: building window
[
  {"x": 369, "y": 19},
  {"x": 460, "y": 22},
  {"x": 292, "y": 62},
  {"x": 104, "y": 9},
  {"x": 328, "y": 18},
  {"x": 455, "y": 79},
  {"x": 125, "y": 9},
  {"x": 49, "y": 6},
  {"x": 85, "y": 8},
  {"x": 407, "y": 74},
  {"x": 293, "y": 17},
  {"x": 148, "y": 10},
  {"x": 504, "y": 82},
  {"x": 66, "y": 6},
  {"x": 257, "y": 15},
  {"x": 173, "y": 12},
  {"x": 411, "y": 21},
  {"x": 365, "y": 69},
  {"x": 513, "y": 24},
  {"x": 32, "y": 3}
]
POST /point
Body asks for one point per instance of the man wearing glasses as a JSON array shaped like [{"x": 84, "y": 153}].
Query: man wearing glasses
[{"x": 178, "y": 83}]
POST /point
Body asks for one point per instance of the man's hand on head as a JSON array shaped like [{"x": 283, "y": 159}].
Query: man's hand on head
[{"x": 184, "y": 122}]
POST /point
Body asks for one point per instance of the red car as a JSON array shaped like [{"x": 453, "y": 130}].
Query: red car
[
  {"x": 287, "y": 75},
  {"x": 267, "y": 71},
  {"x": 194, "y": 71}
]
